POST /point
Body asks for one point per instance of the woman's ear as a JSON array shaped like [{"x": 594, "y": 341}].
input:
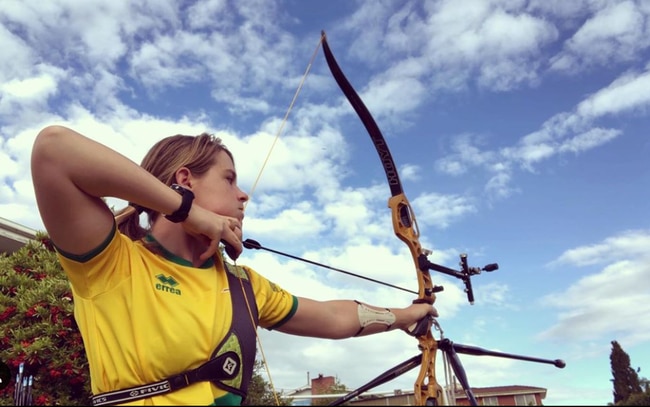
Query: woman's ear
[{"x": 183, "y": 177}]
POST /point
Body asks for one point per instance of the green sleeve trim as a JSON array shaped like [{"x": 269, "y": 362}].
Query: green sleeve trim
[
  {"x": 291, "y": 313},
  {"x": 83, "y": 258}
]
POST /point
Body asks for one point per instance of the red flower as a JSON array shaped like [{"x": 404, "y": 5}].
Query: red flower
[
  {"x": 7, "y": 313},
  {"x": 39, "y": 276},
  {"x": 48, "y": 244},
  {"x": 20, "y": 358},
  {"x": 78, "y": 379},
  {"x": 42, "y": 400},
  {"x": 33, "y": 310},
  {"x": 7, "y": 390}
]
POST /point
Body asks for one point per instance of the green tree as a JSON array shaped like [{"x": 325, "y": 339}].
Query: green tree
[
  {"x": 645, "y": 384},
  {"x": 260, "y": 392},
  {"x": 636, "y": 399},
  {"x": 625, "y": 379}
]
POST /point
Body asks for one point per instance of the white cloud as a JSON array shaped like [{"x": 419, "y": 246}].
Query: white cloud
[
  {"x": 409, "y": 172},
  {"x": 616, "y": 33},
  {"x": 493, "y": 40},
  {"x": 627, "y": 93},
  {"x": 598, "y": 305},
  {"x": 588, "y": 140},
  {"x": 441, "y": 210},
  {"x": 41, "y": 87},
  {"x": 629, "y": 244}
]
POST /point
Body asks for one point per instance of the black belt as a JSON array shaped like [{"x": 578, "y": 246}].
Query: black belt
[{"x": 224, "y": 367}]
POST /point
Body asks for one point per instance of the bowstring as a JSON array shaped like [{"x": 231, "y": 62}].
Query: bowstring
[
  {"x": 284, "y": 120},
  {"x": 450, "y": 390},
  {"x": 250, "y": 194}
]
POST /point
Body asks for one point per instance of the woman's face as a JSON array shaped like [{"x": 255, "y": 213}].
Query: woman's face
[{"x": 217, "y": 189}]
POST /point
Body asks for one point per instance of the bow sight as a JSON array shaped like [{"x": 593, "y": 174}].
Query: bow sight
[{"x": 464, "y": 274}]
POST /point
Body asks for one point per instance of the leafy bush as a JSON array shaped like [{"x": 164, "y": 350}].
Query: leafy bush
[
  {"x": 636, "y": 399},
  {"x": 37, "y": 327}
]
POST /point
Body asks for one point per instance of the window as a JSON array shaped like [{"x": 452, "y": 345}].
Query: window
[
  {"x": 490, "y": 401},
  {"x": 525, "y": 400}
]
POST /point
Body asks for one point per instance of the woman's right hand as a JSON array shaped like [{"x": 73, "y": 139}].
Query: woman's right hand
[{"x": 211, "y": 229}]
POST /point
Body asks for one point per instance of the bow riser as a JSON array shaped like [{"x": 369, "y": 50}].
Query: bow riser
[
  {"x": 427, "y": 391},
  {"x": 405, "y": 227}
]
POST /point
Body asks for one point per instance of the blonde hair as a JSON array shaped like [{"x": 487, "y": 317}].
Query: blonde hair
[{"x": 197, "y": 153}]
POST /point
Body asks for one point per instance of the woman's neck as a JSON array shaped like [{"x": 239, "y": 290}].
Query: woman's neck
[{"x": 173, "y": 238}]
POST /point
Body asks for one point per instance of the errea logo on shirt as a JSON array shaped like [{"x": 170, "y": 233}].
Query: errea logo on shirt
[{"x": 167, "y": 284}]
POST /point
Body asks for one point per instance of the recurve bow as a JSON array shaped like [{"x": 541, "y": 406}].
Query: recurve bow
[{"x": 427, "y": 391}]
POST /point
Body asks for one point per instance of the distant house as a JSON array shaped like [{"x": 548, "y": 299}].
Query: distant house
[
  {"x": 504, "y": 396},
  {"x": 318, "y": 387},
  {"x": 300, "y": 396},
  {"x": 486, "y": 396},
  {"x": 13, "y": 236}
]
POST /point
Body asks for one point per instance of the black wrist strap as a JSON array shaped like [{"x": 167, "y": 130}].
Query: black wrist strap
[{"x": 181, "y": 213}]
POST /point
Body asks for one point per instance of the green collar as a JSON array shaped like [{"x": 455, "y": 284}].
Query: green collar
[{"x": 152, "y": 242}]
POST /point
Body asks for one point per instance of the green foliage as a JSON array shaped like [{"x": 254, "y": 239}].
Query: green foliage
[
  {"x": 637, "y": 399},
  {"x": 260, "y": 392},
  {"x": 37, "y": 327},
  {"x": 626, "y": 381}
]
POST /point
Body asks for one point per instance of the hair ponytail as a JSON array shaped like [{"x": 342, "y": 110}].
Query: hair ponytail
[{"x": 128, "y": 222}]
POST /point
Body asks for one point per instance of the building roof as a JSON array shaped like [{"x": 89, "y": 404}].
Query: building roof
[
  {"x": 502, "y": 390},
  {"x": 14, "y": 236},
  {"x": 306, "y": 389}
]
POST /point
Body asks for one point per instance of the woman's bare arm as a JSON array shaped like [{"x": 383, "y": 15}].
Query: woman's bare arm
[
  {"x": 71, "y": 173},
  {"x": 339, "y": 319}
]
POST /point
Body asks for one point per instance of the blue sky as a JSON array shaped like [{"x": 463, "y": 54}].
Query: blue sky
[{"x": 520, "y": 130}]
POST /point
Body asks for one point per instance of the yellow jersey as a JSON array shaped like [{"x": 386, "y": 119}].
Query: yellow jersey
[{"x": 145, "y": 316}]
